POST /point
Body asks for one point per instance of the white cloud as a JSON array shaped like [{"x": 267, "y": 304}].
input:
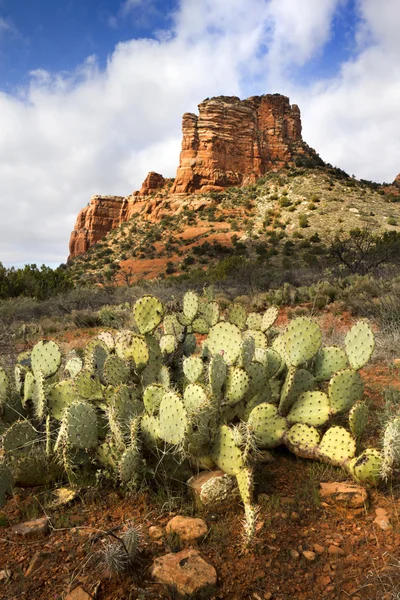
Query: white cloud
[{"x": 70, "y": 135}]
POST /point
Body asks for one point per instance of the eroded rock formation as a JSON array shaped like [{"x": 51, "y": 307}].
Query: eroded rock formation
[
  {"x": 231, "y": 142},
  {"x": 234, "y": 142}
]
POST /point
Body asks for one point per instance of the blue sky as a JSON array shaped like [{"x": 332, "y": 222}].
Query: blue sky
[{"x": 92, "y": 93}]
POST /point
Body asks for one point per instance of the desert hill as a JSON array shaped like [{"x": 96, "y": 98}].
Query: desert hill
[{"x": 246, "y": 183}]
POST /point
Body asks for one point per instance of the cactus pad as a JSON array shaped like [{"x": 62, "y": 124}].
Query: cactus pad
[
  {"x": 193, "y": 368},
  {"x": 237, "y": 315},
  {"x": 194, "y": 397},
  {"x": 258, "y": 336},
  {"x": 311, "y": 408},
  {"x": 19, "y": 438},
  {"x": 302, "y": 339},
  {"x": 337, "y": 446},
  {"x": 247, "y": 350},
  {"x": 45, "y": 357},
  {"x": 152, "y": 396},
  {"x": 268, "y": 426},
  {"x": 108, "y": 338},
  {"x": 245, "y": 481},
  {"x": 211, "y": 313},
  {"x": 29, "y": 387},
  {"x": 358, "y": 419},
  {"x": 200, "y": 325},
  {"x": 190, "y": 305},
  {"x": 168, "y": 344},
  {"x": 237, "y": 384},
  {"x": 60, "y": 396},
  {"x": 359, "y": 343},
  {"x": 88, "y": 386},
  {"x": 130, "y": 465},
  {"x": 173, "y": 327},
  {"x": 329, "y": 361},
  {"x": 115, "y": 371},
  {"x": 148, "y": 312},
  {"x": 366, "y": 468},
  {"x": 73, "y": 366},
  {"x": 296, "y": 383},
  {"x": 225, "y": 339},
  {"x": 254, "y": 321},
  {"x": 135, "y": 349},
  {"x": 150, "y": 430},
  {"x": 173, "y": 419},
  {"x": 80, "y": 422},
  {"x": 217, "y": 372},
  {"x": 302, "y": 440},
  {"x": 226, "y": 454},
  {"x": 269, "y": 318},
  {"x": 345, "y": 388}
]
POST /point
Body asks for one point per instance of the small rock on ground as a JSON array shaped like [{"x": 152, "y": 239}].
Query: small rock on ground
[
  {"x": 382, "y": 519},
  {"x": 344, "y": 494},
  {"x": 213, "y": 488},
  {"x": 37, "y": 563},
  {"x": 188, "y": 529},
  {"x": 32, "y": 528},
  {"x": 78, "y": 594},
  {"x": 186, "y": 571},
  {"x": 155, "y": 532},
  {"x": 309, "y": 555}
]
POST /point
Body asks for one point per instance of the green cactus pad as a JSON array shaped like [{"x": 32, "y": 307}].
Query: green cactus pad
[
  {"x": 358, "y": 419},
  {"x": 190, "y": 305},
  {"x": 245, "y": 481},
  {"x": 199, "y": 435},
  {"x": 19, "y": 376},
  {"x": 73, "y": 366},
  {"x": 194, "y": 397},
  {"x": 270, "y": 359},
  {"x": 225, "y": 339},
  {"x": 173, "y": 419},
  {"x": 148, "y": 312},
  {"x": 39, "y": 396},
  {"x": 226, "y": 454},
  {"x": 96, "y": 353},
  {"x": 189, "y": 344},
  {"x": 126, "y": 405},
  {"x": 345, "y": 388},
  {"x": 237, "y": 315},
  {"x": 254, "y": 321},
  {"x": 296, "y": 383},
  {"x": 211, "y": 313},
  {"x": 259, "y": 398},
  {"x": 200, "y": 325},
  {"x": 259, "y": 337},
  {"x": 359, "y": 343},
  {"x": 60, "y": 396},
  {"x": 303, "y": 440},
  {"x": 29, "y": 387},
  {"x": 217, "y": 372},
  {"x": 269, "y": 427},
  {"x": 88, "y": 386},
  {"x": 257, "y": 374},
  {"x": 279, "y": 346},
  {"x": 19, "y": 439},
  {"x": 137, "y": 350},
  {"x": 237, "y": 385},
  {"x": 152, "y": 396},
  {"x": 366, "y": 468},
  {"x": 164, "y": 376},
  {"x": 311, "y": 408},
  {"x": 337, "y": 446},
  {"x": 150, "y": 431},
  {"x": 80, "y": 423},
  {"x": 329, "y": 361},
  {"x": 115, "y": 371},
  {"x": 193, "y": 368},
  {"x": 173, "y": 327},
  {"x": 302, "y": 339},
  {"x": 168, "y": 344},
  {"x": 130, "y": 466},
  {"x": 247, "y": 350},
  {"x": 4, "y": 386},
  {"x": 45, "y": 357},
  {"x": 276, "y": 389},
  {"x": 269, "y": 318}
]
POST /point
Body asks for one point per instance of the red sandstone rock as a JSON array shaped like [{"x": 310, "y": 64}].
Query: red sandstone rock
[
  {"x": 230, "y": 142},
  {"x": 152, "y": 183},
  {"x": 234, "y": 142},
  {"x": 186, "y": 571}
]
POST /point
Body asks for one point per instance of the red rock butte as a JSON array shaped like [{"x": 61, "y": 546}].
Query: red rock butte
[{"x": 231, "y": 142}]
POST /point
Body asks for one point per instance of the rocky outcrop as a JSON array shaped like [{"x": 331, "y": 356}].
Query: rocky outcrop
[
  {"x": 153, "y": 183},
  {"x": 234, "y": 142},
  {"x": 231, "y": 142},
  {"x": 94, "y": 221}
]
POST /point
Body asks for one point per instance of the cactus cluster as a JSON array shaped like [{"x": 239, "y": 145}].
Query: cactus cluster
[{"x": 192, "y": 390}]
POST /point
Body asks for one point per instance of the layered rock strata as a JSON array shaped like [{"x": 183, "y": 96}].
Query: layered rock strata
[{"x": 231, "y": 142}]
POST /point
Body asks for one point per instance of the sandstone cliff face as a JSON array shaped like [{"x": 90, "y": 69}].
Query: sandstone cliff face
[
  {"x": 231, "y": 142},
  {"x": 94, "y": 221},
  {"x": 234, "y": 142}
]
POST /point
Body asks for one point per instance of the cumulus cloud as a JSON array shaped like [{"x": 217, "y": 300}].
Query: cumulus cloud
[{"x": 67, "y": 136}]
